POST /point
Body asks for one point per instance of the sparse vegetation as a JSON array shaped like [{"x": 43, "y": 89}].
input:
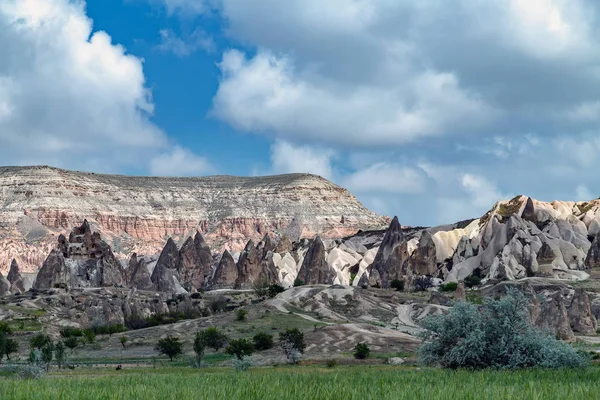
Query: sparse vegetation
[
  {"x": 448, "y": 287},
  {"x": 397, "y": 284},
  {"x": 422, "y": 283},
  {"x": 292, "y": 343},
  {"x": 39, "y": 341},
  {"x": 472, "y": 281},
  {"x": 511, "y": 207},
  {"x": 240, "y": 314},
  {"x": 263, "y": 341}
]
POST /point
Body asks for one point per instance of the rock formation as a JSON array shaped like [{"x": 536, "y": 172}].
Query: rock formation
[
  {"x": 554, "y": 317},
  {"x": 423, "y": 259},
  {"x": 165, "y": 277},
  {"x": 580, "y": 314},
  {"x": 138, "y": 212},
  {"x": 17, "y": 285},
  {"x": 225, "y": 274},
  {"x": 85, "y": 260},
  {"x": 592, "y": 260},
  {"x": 391, "y": 256},
  {"x": 194, "y": 263},
  {"x": 4, "y": 286},
  {"x": 315, "y": 269},
  {"x": 139, "y": 275},
  {"x": 460, "y": 293}
]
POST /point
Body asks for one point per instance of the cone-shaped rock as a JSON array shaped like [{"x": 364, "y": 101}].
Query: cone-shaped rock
[
  {"x": 265, "y": 245},
  {"x": 314, "y": 269},
  {"x": 140, "y": 276},
  {"x": 580, "y": 314},
  {"x": 15, "y": 278},
  {"x": 460, "y": 293},
  {"x": 53, "y": 272},
  {"x": 284, "y": 245},
  {"x": 592, "y": 260},
  {"x": 131, "y": 266},
  {"x": 268, "y": 270},
  {"x": 164, "y": 277},
  {"x": 529, "y": 211},
  {"x": 554, "y": 316},
  {"x": 194, "y": 262},
  {"x": 169, "y": 255},
  {"x": 423, "y": 259},
  {"x": 248, "y": 266},
  {"x": 392, "y": 255},
  {"x": 225, "y": 274}
]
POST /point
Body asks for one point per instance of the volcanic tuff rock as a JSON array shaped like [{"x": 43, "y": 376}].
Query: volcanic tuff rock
[
  {"x": 85, "y": 260},
  {"x": 139, "y": 274},
  {"x": 195, "y": 263},
  {"x": 225, "y": 274},
  {"x": 315, "y": 269},
  {"x": 17, "y": 284},
  {"x": 39, "y": 203},
  {"x": 4, "y": 286},
  {"x": 580, "y": 314}
]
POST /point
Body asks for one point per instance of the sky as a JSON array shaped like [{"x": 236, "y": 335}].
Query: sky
[{"x": 430, "y": 110}]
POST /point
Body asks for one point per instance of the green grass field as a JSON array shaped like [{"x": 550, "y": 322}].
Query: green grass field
[{"x": 356, "y": 382}]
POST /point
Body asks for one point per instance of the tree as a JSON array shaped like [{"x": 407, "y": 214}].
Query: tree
[
  {"x": 8, "y": 345},
  {"x": 275, "y": 289},
  {"x": 298, "y": 282},
  {"x": 199, "y": 346},
  {"x": 59, "y": 354},
  {"x": 123, "y": 341},
  {"x": 5, "y": 328},
  {"x": 169, "y": 346},
  {"x": 71, "y": 343},
  {"x": 39, "y": 341},
  {"x": 397, "y": 284},
  {"x": 292, "y": 343},
  {"x": 361, "y": 351},
  {"x": 47, "y": 353},
  {"x": 214, "y": 338},
  {"x": 89, "y": 335},
  {"x": 240, "y": 348},
  {"x": 495, "y": 335},
  {"x": 262, "y": 341}
]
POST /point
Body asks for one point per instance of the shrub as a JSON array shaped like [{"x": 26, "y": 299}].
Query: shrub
[
  {"x": 70, "y": 331},
  {"x": 494, "y": 335},
  {"x": 263, "y": 341},
  {"x": 199, "y": 347},
  {"x": 397, "y": 284},
  {"x": 8, "y": 345},
  {"x": 47, "y": 354},
  {"x": 422, "y": 283},
  {"x": 123, "y": 341},
  {"x": 240, "y": 348},
  {"x": 212, "y": 337},
  {"x": 472, "y": 280},
  {"x": 169, "y": 346},
  {"x": 89, "y": 335},
  {"x": 242, "y": 364},
  {"x": 5, "y": 328},
  {"x": 292, "y": 343},
  {"x": 298, "y": 282},
  {"x": 39, "y": 341},
  {"x": 71, "y": 343},
  {"x": 196, "y": 295},
  {"x": 361, "y": 351},
  {"x": 59, "y": 354},
  {"x": 240, "y": 314},
  {"x": 331, "y": 363},
  {"x": 448, "y": 287},
  {"x": 274, "y": 290}
]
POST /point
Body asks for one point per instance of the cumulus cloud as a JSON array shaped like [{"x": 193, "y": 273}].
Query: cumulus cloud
[
  {"x": 288, "y": 158},
  {"x": 386, "y": 177},
  {"x": 69, "y": 96},
  {"x": 179, "y": 162}
]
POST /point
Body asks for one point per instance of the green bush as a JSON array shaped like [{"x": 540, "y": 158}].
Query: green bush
[
  {"x": 331, "y": 363},
  {"x": 263, "y": 341},
  {"x": 397, "y": 284},
  {"x": 292, "y": 343},
  {"x": 70, "y": 331},
  {"x": 448, "y": 287},
  {"x": 39, "y": 341},
  {"x": 274, "y": 290},
  {"x": 472, "y": 281},
  {"x": 169, "y": 346},
  {"x": 494, "y": 335},
  {"x": 89, "y": 335},
  {"x": 8, "y": 345},
  {"x": 361, "y": 351},
  {"x": 298, "y": 282},
  {"x": 212, "y": 337},
  {"x": 240, "y": 314},
  {"x": 71, "y": 342},
  {"x": 240, "y": 348}
]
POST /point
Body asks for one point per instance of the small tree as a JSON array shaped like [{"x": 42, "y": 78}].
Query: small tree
[
  {"x": 8, "y": 345},
  {"x": 123, "y": 341},
  {"x": 47, "y": 353},
  {"x": 240, "y": 348},
  {"x": 5, "y": 328},
  {"x": 292, "y": 343},
  {"x": 361, "y": 351},
  {"x": 262, "y": 341},
  {"x": 169, "y": 346},
  {"x": 199, "y": 346},
  {"x": 39, "y": 341},
  {"x": 261, "y": 288},
  {"x": 298, "y": 282},
  {"x": 240, "y": 314},
  {"x": 397, "y": 284},
  {"x": 59, "y": 354},
  {"x": 71, "y": 343},
  {"x": 214, "y": 338},
  {"x": 89, "y": 335}
]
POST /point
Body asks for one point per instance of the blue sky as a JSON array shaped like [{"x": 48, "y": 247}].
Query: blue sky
[{"x": 429, "y": 110}]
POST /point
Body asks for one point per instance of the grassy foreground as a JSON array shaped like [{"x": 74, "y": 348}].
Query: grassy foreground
[{"x": 362, "y": 383}]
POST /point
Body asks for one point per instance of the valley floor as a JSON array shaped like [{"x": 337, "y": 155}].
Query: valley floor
[{"x": 305, "y": 382}]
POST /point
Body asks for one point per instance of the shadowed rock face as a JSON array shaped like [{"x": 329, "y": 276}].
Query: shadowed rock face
[
  {"x": 460, "y": 293},
  {"x": 592, "y": 260},
  {"x": 85, "y": 260},
  {"x": 165, "y": 277},
  {"x": 194, "y": 264},
  {"x": 423, "y": 260},
  {"x": 225, "y": 274},
  {"x": 391, "y": 256},
  {"x": 140, "y": 276},
  {"x": 248, "y": 266},
  {"x": 554, "y": 316},
  {"x": 315, "y": 269},
  {"x": 580, "y": 314},
  {"x": 529, "y": 211},
  {"x": 4, "y": 286},
  {"x": 17, "y": 285}
]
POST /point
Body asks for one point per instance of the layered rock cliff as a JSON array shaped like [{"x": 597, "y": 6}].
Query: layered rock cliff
[{"x": 138, "y": 214}]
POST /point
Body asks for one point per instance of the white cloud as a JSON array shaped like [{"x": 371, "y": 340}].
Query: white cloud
[
  {"x": 287, "y": 158},
  {"x": 265, "y": 94},
  {"x": 183, "y": 47},
  {"x": 385, "y": 178},
  {"x": 483, "y": 193},
  {"x": 70, "y": 97},
  {"x": 582, "y": 193},
  {"x": 179, "y": 162}
]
